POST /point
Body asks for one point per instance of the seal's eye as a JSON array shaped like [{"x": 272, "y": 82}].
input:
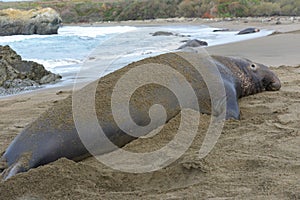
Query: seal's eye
[{"x": 253, "y": 67}]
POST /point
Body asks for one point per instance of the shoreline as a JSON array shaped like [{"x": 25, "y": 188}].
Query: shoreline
[
  {"x": 283, "y": 20},
  {"x": 231, "y": 23}
]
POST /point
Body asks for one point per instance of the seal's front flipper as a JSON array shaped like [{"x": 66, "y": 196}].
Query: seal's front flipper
[
  {"x": 232, "y": 106},
  {"x": 233, "y": 110}
]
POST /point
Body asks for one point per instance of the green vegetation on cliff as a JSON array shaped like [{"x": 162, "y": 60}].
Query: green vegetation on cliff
[{"x": 117, "y": 10}]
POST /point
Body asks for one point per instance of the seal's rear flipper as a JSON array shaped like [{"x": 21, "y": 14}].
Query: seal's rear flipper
[{"x": 12, "y": 170}]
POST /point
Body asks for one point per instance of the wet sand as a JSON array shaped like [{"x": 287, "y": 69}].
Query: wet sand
[
  {"x": 275, "y": 50},
  {"x": 257, "y": 157}
]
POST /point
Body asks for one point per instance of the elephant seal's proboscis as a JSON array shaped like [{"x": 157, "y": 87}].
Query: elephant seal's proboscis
[{"x": 54, "y": 135}]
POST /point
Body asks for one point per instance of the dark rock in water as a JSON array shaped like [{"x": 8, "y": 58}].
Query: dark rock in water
[
  {"x": 248, "y": 30},
  {"x": 17, "y": 73},
  {"x": 19, "y": 22},
  {"x": 193, "y": 43},
  {"x": 162, "y": 33}
]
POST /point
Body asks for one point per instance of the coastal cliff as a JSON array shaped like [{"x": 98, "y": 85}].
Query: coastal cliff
[{"x": 36, "y": 21}]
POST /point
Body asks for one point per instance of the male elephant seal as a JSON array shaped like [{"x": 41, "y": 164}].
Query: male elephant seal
[{"x": 53, "y": 135}]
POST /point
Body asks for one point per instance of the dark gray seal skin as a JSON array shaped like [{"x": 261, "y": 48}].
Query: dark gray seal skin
[
  {"x": 53, "y": 135},
  {"x": 193, "y": 43},
  {"x": 248, "y": 30}
]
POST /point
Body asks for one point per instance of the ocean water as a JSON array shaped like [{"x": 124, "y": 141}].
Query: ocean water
[{"x": 87, "y": 53}]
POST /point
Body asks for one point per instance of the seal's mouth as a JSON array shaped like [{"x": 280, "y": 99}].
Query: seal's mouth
[{"x": 273, "y": 86}]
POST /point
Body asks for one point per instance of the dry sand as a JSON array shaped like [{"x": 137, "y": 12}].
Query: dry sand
[{"x": 257, "y": 157}]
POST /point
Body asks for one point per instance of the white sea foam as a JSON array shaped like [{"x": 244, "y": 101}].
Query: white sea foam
[
  {"x": 17, "y": 38},
  {"x": 93, "y": 31},
  {"x": 230, "y": 37},
  {"x": 83, "y": 32},
  {"x": 51, "y": 64},
  {"x": 64, "y": 67}
]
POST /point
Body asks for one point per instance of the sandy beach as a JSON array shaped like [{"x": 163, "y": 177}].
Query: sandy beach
[{"x": 257, "y": 157}]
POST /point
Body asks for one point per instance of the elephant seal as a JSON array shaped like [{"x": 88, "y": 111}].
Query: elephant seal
[
  {"x": 193, "y": 43},
  {"x": 53, "y": 135},
  {"x": 248, "y": 30},
  {"x": 162, "y": 33}
]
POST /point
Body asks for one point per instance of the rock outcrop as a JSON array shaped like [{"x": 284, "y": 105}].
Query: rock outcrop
[
  {"x": 43, "y": 21},
  {"x": 17, "y": 73}
]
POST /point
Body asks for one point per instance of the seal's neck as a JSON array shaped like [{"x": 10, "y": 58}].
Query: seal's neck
[{"x": 246, "y": 84}]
